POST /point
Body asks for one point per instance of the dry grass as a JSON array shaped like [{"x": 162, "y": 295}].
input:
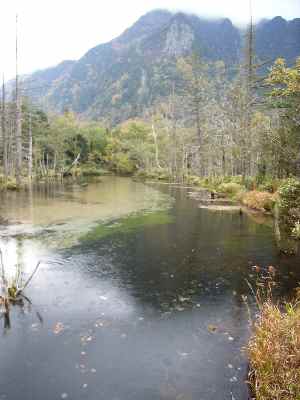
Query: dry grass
[
  {"x": 274, "y": 353},
  {"x": 258, "y": 200}
]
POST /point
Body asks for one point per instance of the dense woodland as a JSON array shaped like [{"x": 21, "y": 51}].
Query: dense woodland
[
  {"x": 217, "y": 120},
  {"x": 208, "y": 126}
]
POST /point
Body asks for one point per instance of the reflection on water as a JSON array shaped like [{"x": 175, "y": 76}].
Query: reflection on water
[
  {"x": 59, "y": 214},
  {"x": 127, "y": 314},
  {"x": 57, "y": 203}
]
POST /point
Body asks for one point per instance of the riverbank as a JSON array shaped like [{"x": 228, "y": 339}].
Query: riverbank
[
  {"x": 83, "y": 171},
  {"x": 274, "y": 352},
  {"x": 252, "y": 192},
  {"x": 279, "y": 198}
]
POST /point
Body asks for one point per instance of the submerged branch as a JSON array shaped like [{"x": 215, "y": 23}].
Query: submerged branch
[{"x": 30, "y": 278}]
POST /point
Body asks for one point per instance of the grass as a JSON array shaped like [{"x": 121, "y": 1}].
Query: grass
[
  {"x": 274, "y": 352},
  {"x": 128, "y": 224}
]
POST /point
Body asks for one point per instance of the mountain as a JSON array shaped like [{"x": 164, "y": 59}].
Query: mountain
[
  {"x": 117, "y": 80},
  {"x": 278, "y": 38}
]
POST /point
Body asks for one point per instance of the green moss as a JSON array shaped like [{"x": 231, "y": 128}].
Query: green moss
[{"x": 128, "y": 224}]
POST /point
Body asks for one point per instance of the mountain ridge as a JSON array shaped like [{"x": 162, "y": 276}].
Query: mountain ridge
[{"x": 118, "y": 79}]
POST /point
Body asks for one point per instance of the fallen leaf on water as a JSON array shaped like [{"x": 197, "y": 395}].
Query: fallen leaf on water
[
  {"x": 182, "y": 354},
  {"x": 59, "y": 327},
  {"x": 183, "y": 299},
  {"x": 271, "y": 270},
  {"x": 212, "y": 328},
  {"x": 35, "y": 327}
]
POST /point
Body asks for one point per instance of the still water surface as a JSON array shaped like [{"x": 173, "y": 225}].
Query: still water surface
[{"x": 139, "y": 291}]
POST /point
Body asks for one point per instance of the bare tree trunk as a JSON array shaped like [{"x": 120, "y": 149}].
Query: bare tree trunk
[
  {"x": 10, "y": 145},
  {"x": 174, "y": 134},
  {"x": 199, "y": 132},
  {"x": 249, "y": 80},
  {"x": 54, "y": 163},
  {"x": 154, "y": 134},
  {"x": 4, "y": 135},
  {"x": 30, "y": 147},
  {"x": 18, "y": 118},
  {"x": 74, "y": 163},
  {"x": 47, "y": 163}
]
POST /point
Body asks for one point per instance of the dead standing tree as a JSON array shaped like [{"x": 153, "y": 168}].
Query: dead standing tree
[
  {"x": 4, "y": 132},
  {"x": 18, "y": 131}
]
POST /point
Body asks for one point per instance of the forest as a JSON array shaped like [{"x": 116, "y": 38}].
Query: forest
[{"x": 209, "y": 126}]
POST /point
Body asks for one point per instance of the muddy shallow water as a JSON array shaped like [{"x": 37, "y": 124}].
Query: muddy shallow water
[{"x": 141, "y": 301}]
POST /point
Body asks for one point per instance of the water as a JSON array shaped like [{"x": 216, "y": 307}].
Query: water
[{"x": 143, "y": 299}]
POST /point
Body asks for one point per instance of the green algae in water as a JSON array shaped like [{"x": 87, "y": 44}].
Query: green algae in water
[{"x": 128, "y": 224}]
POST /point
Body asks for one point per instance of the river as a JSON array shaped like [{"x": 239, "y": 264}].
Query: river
[{"x": 139, "y": 293}]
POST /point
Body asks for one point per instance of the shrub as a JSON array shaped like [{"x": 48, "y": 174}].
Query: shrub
[
  {"x": 274, "y": 353},
  {"x": 123, "y": 164},
  {"x": 289, "y": 193},
  {"x": 231, "y": 188},
  {"x": 249, "y": 182},
  {"x": 196, "y": 180},
  {"x": 236, "y": 179},
  {"x": 161, "y": 174},
  {"x": 269, "y": 185},
  {"x": 11, "y": 184},
  {"x": 92, "y": 170},
  {"x": 8, "y": 183},
  {"x": 296, "y": 230},
  {"x": 259, "y": 200},
  {"x": 289, "y": 203}
]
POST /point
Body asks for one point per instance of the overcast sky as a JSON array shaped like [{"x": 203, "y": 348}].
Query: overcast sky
[{"x": 54, "y": 30}]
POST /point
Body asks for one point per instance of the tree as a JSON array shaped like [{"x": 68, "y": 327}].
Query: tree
[
  {"x": 18, "y": 134},
  {"x": 283, "y": 85},
  {"x": 4, "y": 132}
]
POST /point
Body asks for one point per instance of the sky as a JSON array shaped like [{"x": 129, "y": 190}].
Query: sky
[{"x": 51, "y": 31}]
